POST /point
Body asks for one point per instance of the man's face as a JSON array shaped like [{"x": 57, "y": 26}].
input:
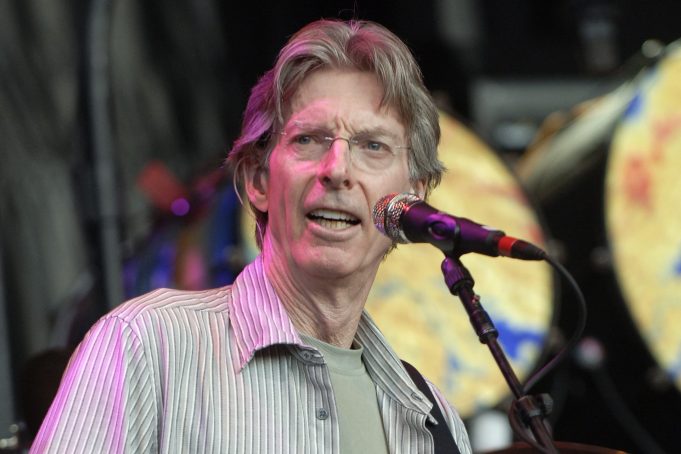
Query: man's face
[{"x": 319, "y": 200}]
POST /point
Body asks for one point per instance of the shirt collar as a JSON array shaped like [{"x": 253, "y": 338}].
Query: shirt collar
[
  {"x": 386, "y": 369},
  {"x": 257, "y": 315},
  {"x": 260, "y": 320}
]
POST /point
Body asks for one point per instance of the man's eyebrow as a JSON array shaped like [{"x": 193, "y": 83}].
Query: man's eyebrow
[
  {"x": 369, "y": 131},
  {"x": 308, "y": 126},
  {"x": 378, "y": 131}
]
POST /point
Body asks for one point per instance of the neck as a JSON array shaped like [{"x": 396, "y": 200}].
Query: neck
[{"x": 326, "y": 308}]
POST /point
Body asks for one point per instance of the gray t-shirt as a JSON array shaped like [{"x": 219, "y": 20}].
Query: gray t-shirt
[{"x": 361, "y": 427}]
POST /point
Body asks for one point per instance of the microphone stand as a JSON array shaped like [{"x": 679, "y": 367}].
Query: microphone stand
[{"x": 533, "y": 410}]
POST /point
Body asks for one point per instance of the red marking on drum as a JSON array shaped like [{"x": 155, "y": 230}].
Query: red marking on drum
[
  {"x": 637, "y": 182},
  {"x": 662, "y": 131}
]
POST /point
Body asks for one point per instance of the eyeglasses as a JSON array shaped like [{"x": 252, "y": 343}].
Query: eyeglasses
[{"x": 368, "y": 152}]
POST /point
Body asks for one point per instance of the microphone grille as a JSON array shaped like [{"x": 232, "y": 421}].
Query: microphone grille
[{"x": 387, "y": 213}]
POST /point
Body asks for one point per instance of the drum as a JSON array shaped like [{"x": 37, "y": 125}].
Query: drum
[
  {"x": 424, "y": 323},
  {"x": 643, "y": 192},
  {"x": 608, "y": 187}
]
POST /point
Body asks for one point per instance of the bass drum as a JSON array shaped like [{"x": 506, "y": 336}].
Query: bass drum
[
  {"x": 424, "y": 323},
  {"x": 643, "y": 192}
]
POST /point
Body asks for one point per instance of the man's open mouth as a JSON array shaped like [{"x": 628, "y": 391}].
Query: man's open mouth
[{"x": 332, "y": 219}]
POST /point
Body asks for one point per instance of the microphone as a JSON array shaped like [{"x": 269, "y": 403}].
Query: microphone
[{"x": 405, "y": 218}]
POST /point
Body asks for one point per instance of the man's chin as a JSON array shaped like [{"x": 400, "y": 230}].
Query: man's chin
[{"x": 334, "y": 263}]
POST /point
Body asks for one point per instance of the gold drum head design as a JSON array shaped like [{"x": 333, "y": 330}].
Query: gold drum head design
[{"x": 643, "y": 211}]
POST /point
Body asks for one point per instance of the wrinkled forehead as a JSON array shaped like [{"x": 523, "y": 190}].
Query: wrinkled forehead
[{"x": 342, "y": 99}]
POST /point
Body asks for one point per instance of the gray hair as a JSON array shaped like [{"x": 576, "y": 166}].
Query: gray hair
[{"x": 362, "y": 45}]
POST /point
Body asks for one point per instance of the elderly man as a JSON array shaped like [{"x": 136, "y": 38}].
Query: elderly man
[{"x": 285, "y": 360}]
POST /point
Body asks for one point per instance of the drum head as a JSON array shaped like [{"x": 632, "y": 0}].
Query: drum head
[
  {"x": 426, "y": 325},
  {"x": 643, "y": 199}
]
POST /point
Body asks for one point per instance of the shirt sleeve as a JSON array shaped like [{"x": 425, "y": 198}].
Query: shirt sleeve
[
  {"x": 453, "y": 419},
  {"x": 106, "y": 401}
]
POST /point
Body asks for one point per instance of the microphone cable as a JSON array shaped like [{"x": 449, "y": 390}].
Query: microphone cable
[
  {"x": 572, "y": 342},
  {"x": 514, "y": 413}
]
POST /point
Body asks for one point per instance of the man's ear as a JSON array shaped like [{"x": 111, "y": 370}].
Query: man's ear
[{"x": 256, "y": 185}]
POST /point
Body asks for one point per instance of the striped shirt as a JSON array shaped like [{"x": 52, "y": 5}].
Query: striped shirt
[{"x": 221, "y": 371}]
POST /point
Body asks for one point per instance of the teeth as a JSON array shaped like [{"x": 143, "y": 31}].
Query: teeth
[
  {"x": 333, "y": 215},
  {"x": 329, "y": 224},
  {"x": 333, "y": 219}
]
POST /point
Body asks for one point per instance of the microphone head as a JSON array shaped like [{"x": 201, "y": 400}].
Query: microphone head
[{"x": 388, "y": 211}]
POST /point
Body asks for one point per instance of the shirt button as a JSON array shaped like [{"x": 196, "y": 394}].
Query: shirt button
[
  {"x": 416, "y": 396},
  {"x": 307, "y": 356},
  {"x": 322, "y": 413}
]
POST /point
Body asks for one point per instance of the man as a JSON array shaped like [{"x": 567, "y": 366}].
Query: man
[{"x": 285, "y": 360}]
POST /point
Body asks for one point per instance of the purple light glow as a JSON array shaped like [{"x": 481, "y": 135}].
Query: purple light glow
[{"x": 180, "y": 206}]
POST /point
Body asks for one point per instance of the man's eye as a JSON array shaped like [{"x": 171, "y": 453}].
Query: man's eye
[
  {"x": 303, "y": 139},
  {"x": 375, "y": 146}
]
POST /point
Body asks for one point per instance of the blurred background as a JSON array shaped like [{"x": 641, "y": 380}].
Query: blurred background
[{"x": 116, "y": 116}]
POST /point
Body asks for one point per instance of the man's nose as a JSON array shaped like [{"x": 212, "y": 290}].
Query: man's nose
[{"x": 336, "y": 166}]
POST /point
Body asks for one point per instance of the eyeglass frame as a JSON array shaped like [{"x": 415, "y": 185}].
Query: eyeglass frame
[{"x": 352, "y": 141}]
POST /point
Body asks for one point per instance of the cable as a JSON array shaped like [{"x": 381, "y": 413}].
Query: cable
[
  {"x": 520, "y": 430},
  {"x": 576, "y": 335}
]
